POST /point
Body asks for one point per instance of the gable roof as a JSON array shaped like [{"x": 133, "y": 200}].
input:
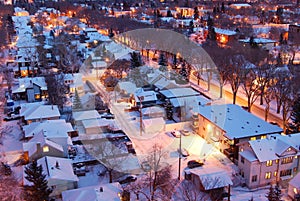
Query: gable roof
[
  {"x": 32, "y": 111},
  {"x": 84, "y": 115},
  {"x": 50, "y": 128},
  {"x": 228, "y": 118},
  {"x": 25, "y": 83},
  {"x": 295, "y": 181},
  {"x": 179, "y": 92},
  {"x": 92, "y": 193}
]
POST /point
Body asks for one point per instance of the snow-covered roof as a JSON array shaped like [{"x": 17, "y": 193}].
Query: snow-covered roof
[
  {"x": 147, "y": 96},
  {"x": 295, "y": 182},
  {"x": 270, "y": 149},
  {"x": 248, "y": 155},
  {"x": 84, "y": 115},
  {"x": 96, "y": 123},
  {"x": 28, "y": 82},
  {"x": 32, "y": 111},
  {"x": 153, "y": 110},
  {"x": 51, "y": 128},
  {"x": 179, "y": 92},
  {"x": 190, "y": 101},
  {"x": 164, "y": 83},
  {"x": 228, "y": 118},
  {"x": 92, "y": 193},
  {"x": 225, "y": 31},
  {"x": 258, "y": 40},
  {"x": 118, "y": 50},
  {"x": 64, "y": 170},
  {"x": 212, "y": 178},
  {"x": 292, "y": 139},
  {"x": 128, "y": 87},
  {"x": 239, "y": 5}
]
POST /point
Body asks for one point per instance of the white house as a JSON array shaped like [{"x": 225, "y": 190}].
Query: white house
[
  {"x": 265, "y": 161},
  {"x": 104, "y": 192},
  {"x": 294, "y": 187},
  {"x": 223, "y": 126},
  {"x": 36, "y": 112},
  {"x": 80, "y": 116},
  {"x": 59, "y": 174}
]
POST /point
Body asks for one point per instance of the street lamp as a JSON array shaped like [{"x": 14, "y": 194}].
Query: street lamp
[{"x": 179, "y": 159}]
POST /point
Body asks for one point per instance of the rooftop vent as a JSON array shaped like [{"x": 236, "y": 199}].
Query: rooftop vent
[
  {"x": 101, "y": 189},
  {"x": 248, "y": 122},
  {"x": 57, "y": 165}
]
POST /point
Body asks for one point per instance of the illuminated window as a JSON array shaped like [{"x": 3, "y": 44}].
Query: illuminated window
[
  {"x": 241, "y": 150},
  {"x": 253, "y": 138},
  {"x": 295, "y": 191},
  {"x": 263, "y": 137},
  {"x": 268, "y": 175},
  {"x": 277, "y": 161},
  {"x": 269, "y": 163},
  {"x": 289, "y": 149},
  {"x": 275, "y": 174},
  {"x": 45, "y": 149},
  {"x": 284, "y": 173},
  {"x": 296, "y": 156},
  {"x": 37, "y": 96},
  {"x": 287, "y": 160}
]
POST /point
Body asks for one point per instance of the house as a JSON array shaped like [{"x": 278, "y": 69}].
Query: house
[
  {"x": 59, "y": 174},
  {"x": 39, "y": 146},
  {"x": 144, "y": 98},
  {"x": 103, "y": 192},
  {"x": 265, "y": 43},
  {"x": 206, "y": 179},
  {"x": 96, "y": 126},
  {"x": 294, "y": 187},
  {"x": 36, "y": 112},
  {"x": 238, "y": 6},
  {"x": 74, "y": 81},
  {"x": 31, "y": 89},
  {"x": 80, "y": 116},
  {"x": 223, "y": 126},
  {"x": 270, "y": 160},
  {"x": 153, "y": 112},
  {"x": 224, "y": 35}
]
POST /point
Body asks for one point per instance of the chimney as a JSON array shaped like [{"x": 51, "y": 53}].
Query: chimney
[
  {"x": 57, "y": 165},
  {"x": 101, "y": 189}
]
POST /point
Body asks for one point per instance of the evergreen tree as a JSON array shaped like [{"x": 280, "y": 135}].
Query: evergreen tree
[
  {"x": 295, "y": 116},
  {"x": 136, "y": 60},
  {"x": 196, "y": 13},
  {"x": 162, "y": 59},
  {"x": 252, "y": 42},
  {"x": 183, "y": 72},
  {"x": 274, "y": 193},
  {"x": 169, "y": 13},
  {"x": 39, "y": 189},
  {"x": 169, "y": 109},
  {"x": 223, "y": 7},
  {"x": 191, "y": 30},
  {"x": 77, "y": 102},
  {"x": 174, "y": 61}
]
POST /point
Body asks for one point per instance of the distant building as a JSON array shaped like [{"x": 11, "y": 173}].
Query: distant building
[
  {"x": 224, "y": 36},
  {"x": 294, "y": 187},
  {"x": 294, "y": 34},
  {"x": 226, "y": 126},
  {"x": 265, "y": 161}
]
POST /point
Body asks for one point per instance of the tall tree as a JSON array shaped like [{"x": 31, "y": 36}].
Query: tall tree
[
  {"x": 77, "y": 106},
  {"x": 196, "y": 13},
  {"x": 295, "y": 116},
  {"x": 169, "y": 109},
  {"x": 39, "y": 189},
  {"x": 135, "y": 60}
]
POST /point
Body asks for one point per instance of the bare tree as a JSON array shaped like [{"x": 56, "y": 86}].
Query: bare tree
[
  {"x": 269, "y": 95},
  {"x": 264, "y": 78},
  {"x": 187, "y": 191}
]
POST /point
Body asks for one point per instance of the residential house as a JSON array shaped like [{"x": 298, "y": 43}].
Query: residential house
[
  {"x": 144, "y": 98},
  {"x": 96, "y": 126},
  {"x": 103, "y": 192},
  {"x": 206, "y": 179},
  {"x": 265, "y": 43},
  {"x": 224, "y": 35},
  {"x": 31, "y": 89},
  {"x": 223, "y": 126},
  {"x": 265, "y": 161},
  {"x": 294, "y": 187},
  {"x": 80, "y": 116},
  {"x": 40, "y": 146},
  {"x": 59, "y": 174},
  {"x": 36, "y": 112},
  {"x": 294, "y": 34}
]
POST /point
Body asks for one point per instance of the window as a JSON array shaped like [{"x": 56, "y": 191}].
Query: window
[
  {"x": 254, "y": 178},
  {"x": 241, "y": 150},
  {"x": 263, "y": 137},
  {"x": 242, "y": 159},
  {"x": 277, "y": 161},
  {"x": 295, "y": 169},
  {"x": 269, "y": 163},
  {"x": 275, "y": 174},
  {"x": 268, "y": 175},
  {"x": 296, "y": 157},
  {"x": 287, "y": 160},
  {"x": 284, "y": 173},
  {"x": 45, "y": 149},
  {"x": 253, "y": 138}
]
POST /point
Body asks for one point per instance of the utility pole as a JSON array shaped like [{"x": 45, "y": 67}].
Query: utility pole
[
  {"x": 141, "y": 98},
  {"x": 179, "y": 159}
]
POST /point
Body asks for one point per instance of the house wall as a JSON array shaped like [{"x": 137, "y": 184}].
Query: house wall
[
  {"x": 59, "y": 186},
  {"x": 292, "y": 189},
  {"x": 40, "y": 153},
  {"x": 29, "y": 121}
]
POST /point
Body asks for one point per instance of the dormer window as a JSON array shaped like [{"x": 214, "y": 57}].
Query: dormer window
[{"x": 45, "y": 149}]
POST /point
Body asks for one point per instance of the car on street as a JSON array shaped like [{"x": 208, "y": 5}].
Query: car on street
[
  {"x": 127, "y": 179},
  {"x": 175, "y": 133},
  {"x": 185, "y": 132},
  {"x": 183, "y": 152},
  {"x": 195, "y": 163}
]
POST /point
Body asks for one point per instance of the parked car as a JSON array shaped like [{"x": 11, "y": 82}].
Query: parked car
[
  {"x": 183, "y": 152},
  {"x": 175, "y": 133},
  {"x": 195, "y": 163},
  {"x": 185, "y": 132},
  {"x": 127, "y": 179}
]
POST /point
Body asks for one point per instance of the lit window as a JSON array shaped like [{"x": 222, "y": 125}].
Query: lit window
[
  {"x": 241, "y": 150},
  {"x": 253, "y": 138},
  {"x": 275, "y": 174},
  {"x": 263, "y": 137},
  {"x": 268, "y": 175},
  {"x": 45, "y": 149},
  {"x": 277, "y": 161},
  {"x": 295, "y": 191},
  {"x": 269, "y": 163},
  {"x": 296, "y": 156},
  {"x": 289, "y": 149}
]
